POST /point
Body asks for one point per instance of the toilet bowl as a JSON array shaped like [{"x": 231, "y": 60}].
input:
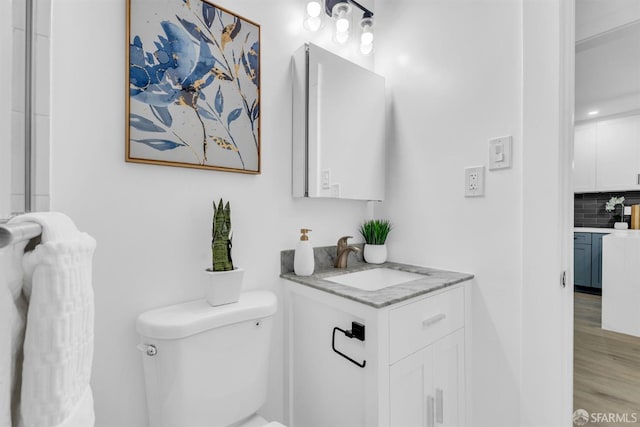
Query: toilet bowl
[{"x": 207, "y": 366}]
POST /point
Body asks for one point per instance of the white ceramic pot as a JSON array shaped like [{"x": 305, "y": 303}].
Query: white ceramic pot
[
  {"x": 375, "y": 254},
  {"x": 621, "y": 226},
  {"x": 224, "y": 287}
]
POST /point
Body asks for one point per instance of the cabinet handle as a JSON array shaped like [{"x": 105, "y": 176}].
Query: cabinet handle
[
  {"x": 430, "y": 417},
  {"x": 439, "y": 406},
  {"x": 434, "y": 319},
  {"x": 638, "y": 179}
]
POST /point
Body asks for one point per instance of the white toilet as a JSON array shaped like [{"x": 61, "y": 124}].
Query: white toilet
[{"x": 207, "y": 366}]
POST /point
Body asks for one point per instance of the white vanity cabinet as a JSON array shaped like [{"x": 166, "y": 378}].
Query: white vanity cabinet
[
  {"x": 414, "y": 375},
  {"x": 427, "y": 387},
  {"x": 427, "y": 362}
]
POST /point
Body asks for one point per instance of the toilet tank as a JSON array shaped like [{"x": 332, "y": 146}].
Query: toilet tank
[{"x": 207, "y": 365}]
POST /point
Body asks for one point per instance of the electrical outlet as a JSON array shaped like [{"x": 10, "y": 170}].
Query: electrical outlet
[
  {"x": 335, "y": 190},
  {"x": 474, "y": 181}
]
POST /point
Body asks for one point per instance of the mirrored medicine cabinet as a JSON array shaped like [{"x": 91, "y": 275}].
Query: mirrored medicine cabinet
[{"x": 338, "y": 127}]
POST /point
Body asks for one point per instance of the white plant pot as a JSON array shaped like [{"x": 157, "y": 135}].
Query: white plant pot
[
  {"x": 375, "y": 254},
  {"x": 224, "y": 287},
  {"x": 621, "y": 226}
]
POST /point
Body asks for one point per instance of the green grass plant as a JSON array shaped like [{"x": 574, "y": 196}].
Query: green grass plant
[{"x": 375, "y": 231}]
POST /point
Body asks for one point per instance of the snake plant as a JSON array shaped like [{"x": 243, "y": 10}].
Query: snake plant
[{"x": 221, "y": 237}]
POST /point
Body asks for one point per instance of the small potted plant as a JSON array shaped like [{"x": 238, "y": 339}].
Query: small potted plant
[
  {"x": 611, "y": 206},
  {"x": 375, "y": 232},
  {"x": 225, "y": 280}
]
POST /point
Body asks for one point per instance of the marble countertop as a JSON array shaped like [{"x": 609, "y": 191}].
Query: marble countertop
[{"x": 433, "y": 280}]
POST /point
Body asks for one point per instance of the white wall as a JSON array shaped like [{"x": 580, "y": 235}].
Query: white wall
[
  {"x": 454, "y": 70},
  {"x": 606, "y": 77},
  {"x": 41, "y": 115},
  {"x": 462, "y": 72},
  {"x": 597, "y": 16},
  {"x": 40, "y": 106},
  {"x": 17, "y": 139},
  {"x": 152, "y": 223},
  {"x": 5, "y": 109}
]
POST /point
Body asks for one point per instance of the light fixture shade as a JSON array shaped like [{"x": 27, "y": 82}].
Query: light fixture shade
[
  {"x": 341, "y": 12},
  {"x": 313, "y": 15},
  {"x": 366, "y": 38},
  {"x": 314, "y": 8}
]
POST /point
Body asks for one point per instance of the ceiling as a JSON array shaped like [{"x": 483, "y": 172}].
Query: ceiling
[{"x": 608, "y": 73}]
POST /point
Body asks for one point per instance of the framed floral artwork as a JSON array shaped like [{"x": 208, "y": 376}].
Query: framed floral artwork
[{"x": 194, "y": 86}]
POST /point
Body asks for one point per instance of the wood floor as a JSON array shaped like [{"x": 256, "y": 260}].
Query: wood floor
[{"x": 606, "y": 365}]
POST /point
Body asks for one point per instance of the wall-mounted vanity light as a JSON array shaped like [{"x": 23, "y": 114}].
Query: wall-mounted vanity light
[
  {"x": 366, "y": 38},
  {"x": 340, "y": 12},
  {"x": 313, "y": 16}
]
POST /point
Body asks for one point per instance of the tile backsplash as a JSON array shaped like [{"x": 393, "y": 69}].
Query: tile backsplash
[{"x": 589, "y": 208}]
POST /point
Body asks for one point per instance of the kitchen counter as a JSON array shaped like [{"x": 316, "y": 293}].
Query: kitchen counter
[
  {"x": 621, "y": 282},
  {"x": 593, "y": 230},
  {"x": 629, "y": 232},
  {"x": 626, "y": 233},
  {"x": 433, "y": 280}
]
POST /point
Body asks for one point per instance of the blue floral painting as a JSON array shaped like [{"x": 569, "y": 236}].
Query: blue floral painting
[{"x": 194, "y": 86}]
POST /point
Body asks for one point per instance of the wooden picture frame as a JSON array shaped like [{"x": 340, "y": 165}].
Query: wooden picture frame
[{"x": 194, "y": 86}]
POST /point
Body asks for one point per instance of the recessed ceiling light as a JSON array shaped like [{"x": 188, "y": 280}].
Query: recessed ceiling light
[{"x": 593, "y": 113}]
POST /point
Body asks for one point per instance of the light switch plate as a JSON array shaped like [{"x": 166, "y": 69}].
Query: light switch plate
[
  {"x": 326, "y": 179},
  {"x": 500, "y": 153},
  {"x": 474, "y": 181}
]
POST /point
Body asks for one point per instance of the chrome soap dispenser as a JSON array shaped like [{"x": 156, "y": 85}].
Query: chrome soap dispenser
[{"x": 303, "y": 262}]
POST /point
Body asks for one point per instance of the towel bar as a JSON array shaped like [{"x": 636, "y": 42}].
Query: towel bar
[{"x": 12, "y": 233}]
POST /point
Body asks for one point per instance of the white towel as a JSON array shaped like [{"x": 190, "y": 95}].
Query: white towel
[
  {"x": 13, "y": 311},
  {"x": 58, "y": 343}
]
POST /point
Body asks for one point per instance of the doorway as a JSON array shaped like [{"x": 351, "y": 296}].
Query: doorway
[{"x": 606, "y": 363}]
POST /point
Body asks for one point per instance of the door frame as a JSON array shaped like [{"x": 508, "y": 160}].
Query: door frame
[
  {"x": 547, "y": 129},
  {"x": 567, "y": 118}
]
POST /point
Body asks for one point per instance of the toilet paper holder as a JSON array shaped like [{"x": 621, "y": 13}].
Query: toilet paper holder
[{"x": 357, "y": 332}]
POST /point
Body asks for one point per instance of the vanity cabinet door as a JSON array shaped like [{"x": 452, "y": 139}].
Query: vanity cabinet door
[
  {"x": 448, "y": 380},
  {"x": 411, "y": 401},
  {"x": 427, "y": 387}
]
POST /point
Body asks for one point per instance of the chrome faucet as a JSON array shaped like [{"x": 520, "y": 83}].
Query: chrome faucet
[{"x": 343, "y": 251}]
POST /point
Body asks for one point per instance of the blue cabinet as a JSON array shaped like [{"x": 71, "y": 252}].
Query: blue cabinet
[
  {"x": 587, "y": 260},
  {"x": 596, "y": 260}
]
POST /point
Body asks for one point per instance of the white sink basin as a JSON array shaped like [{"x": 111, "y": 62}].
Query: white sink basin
[{"x": 375, "y": 279}]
